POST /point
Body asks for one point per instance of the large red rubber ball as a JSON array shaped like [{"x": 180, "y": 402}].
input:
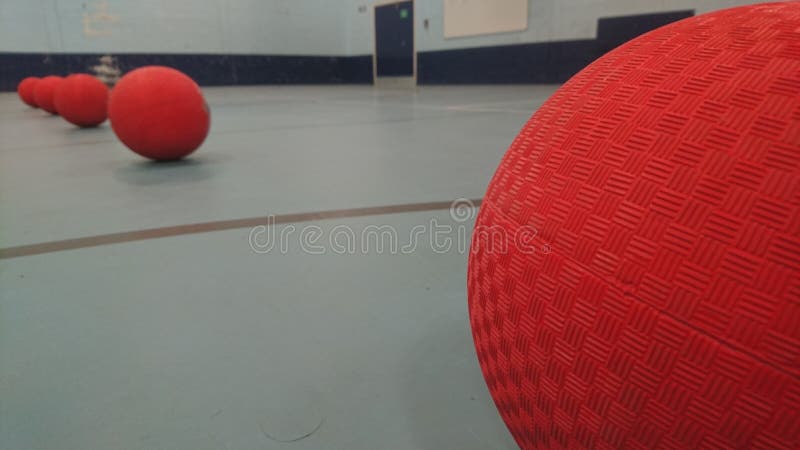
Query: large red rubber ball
[
  {"x": 45, "y": 91},
  {"x": 159, "y": 113},
  {"x": 649, "y": 292},
  {"x": 25, "y": 90},
  {"x": 82, "y": 100}
]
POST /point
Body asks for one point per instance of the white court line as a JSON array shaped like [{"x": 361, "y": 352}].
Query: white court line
[
  {"x": 478, "y": 109},
  {"x": 473, "y": 108},
  {"x": 499, "y": 102}
]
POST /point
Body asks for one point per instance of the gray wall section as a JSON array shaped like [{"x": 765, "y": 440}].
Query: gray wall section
[
  {"x": 274, "y": 27},
  {"x": 548, "y": 21}
]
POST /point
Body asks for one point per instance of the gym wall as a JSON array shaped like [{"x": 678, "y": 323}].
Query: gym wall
[
  {"x": 217, "y": 42},
  {"x": 313, "y": 41}
]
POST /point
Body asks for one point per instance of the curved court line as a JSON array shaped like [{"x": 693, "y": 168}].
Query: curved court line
[{"x": 220, "y": 225}]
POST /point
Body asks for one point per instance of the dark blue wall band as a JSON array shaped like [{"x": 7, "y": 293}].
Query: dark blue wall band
[
  {"x": 615, "y": 31},
  {"x": 546, "y": 62},
  {"x": 207, "y": 70}
]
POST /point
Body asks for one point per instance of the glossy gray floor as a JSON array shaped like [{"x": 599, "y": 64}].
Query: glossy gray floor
[{"x": 200, "y": 342}]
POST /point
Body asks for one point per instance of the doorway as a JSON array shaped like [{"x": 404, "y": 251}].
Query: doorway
[{"x": 395, "y": 59}]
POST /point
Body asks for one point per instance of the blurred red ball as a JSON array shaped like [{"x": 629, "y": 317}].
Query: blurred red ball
[
  {"x": 82, "y": 100},
  {"x": 25, "y": 90},
  {"x": 159, "y": 113},
  {"x": 45, "y": 91},
  {"x": 634, "y": 278}
]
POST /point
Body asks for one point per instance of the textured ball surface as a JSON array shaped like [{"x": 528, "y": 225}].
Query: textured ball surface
[
  {"x": 25, "y": 90},
  {"x": 159, "y": 113},
  {"x": 82, "y": 100},
  {"x": 664, "y": 182},
  {"x": 45, "y": 91}
]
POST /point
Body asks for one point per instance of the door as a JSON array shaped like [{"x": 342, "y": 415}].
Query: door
[{"x": 395, "y": 57}]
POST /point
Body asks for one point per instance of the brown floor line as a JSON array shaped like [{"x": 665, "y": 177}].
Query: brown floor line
[{"x": 221, "y": 225}]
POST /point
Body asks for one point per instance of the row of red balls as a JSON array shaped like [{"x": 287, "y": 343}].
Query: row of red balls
[
  {"x": 80, "y": 99},
  {"x": 157, "y": 112}
]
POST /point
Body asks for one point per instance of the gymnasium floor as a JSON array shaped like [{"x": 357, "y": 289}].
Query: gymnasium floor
[{"x": 184, "y": 337}]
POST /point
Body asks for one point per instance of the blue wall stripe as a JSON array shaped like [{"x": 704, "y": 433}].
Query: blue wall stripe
[{"x": 207, "y": 70}]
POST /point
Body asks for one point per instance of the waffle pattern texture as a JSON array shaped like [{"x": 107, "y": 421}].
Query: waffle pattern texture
[{"x": 664, "y": 179}]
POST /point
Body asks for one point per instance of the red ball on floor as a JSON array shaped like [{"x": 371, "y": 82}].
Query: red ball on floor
[
  {"x": 25, "y": 90},
  {"x": 159, "y": 113},
  {"x": 44, "y": 92},
  {"x": 82, "y": 100},
  {"x": 634, "y": 278}
]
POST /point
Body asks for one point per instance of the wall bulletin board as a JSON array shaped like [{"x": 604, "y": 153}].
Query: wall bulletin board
[{"x": 476, "y": 17}]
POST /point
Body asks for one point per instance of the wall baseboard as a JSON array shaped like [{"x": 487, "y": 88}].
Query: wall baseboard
[
  {"x": 205, "y": 69},
  {"x": 546, "y": 62}
]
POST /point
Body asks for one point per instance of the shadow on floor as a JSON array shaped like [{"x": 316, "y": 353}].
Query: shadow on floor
[
  {"x": 189, "y": 170},
  {"x": 104, "y": 129}
]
